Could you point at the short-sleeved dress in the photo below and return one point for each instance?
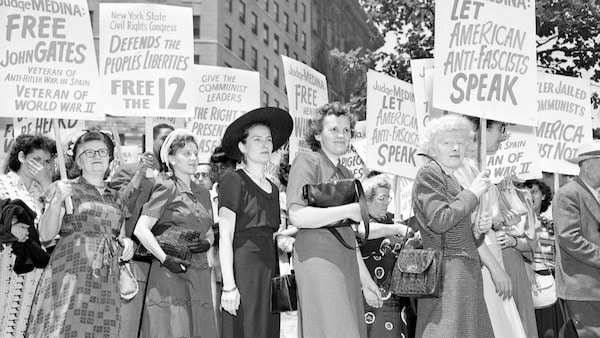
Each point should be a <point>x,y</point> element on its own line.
<point>78,294</point>
<point>331,301</point>
<point>17,290</point>
<point>254,255</point>
<point>393,318</point>
<point>443,208</point>
<point>179,304</point>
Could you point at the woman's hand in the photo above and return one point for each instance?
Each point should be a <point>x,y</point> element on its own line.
<point>64,189</point>
<point>372,294</point>
<point>285,243</point>
<point>19,230</point>
<point>39,173</point>
<point>175,265</point>
<point>506,241</point>
<point>484,224</point>
<point>230,300</point>
<point>200,246</point>
<point>503,283</point>
<point>481,183</point>
<point>128,246</point>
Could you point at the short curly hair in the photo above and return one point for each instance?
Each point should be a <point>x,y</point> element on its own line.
<point>373,182</point>
<point>178,143</point>
<point>27,144</point>
<point>544,189</point>
<point>446,123</point>
<point>315,125</point>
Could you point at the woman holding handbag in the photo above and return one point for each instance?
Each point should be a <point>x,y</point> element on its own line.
<point>443,213</point>
<point>179,297</point>
<point>327,272</point>
<point>249,222</point>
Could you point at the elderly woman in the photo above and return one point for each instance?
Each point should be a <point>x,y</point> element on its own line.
<point>249,222</point>
<point>78,294</point>
<point>327,272</point>
<point>443,213</point>
<point>380,256</point>
<point>31,166</point>
<point>178,299</point>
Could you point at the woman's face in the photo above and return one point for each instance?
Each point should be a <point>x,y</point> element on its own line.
<point>258,146</point>
<point>379,205</point>
<point>450,149</point>
<point>496,134</point>
<point>92,157</point>
<point>336,134</point>
<point>185,160</point>
<point>218,170</point>
<point>538,197</point>
<point>41,157</point>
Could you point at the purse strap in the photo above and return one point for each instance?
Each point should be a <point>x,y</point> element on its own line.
<point>364,212</point>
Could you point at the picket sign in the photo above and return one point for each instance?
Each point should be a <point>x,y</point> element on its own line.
<point>61,163</point>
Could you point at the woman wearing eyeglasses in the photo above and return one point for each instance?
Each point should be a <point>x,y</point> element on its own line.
<point>78,294</point>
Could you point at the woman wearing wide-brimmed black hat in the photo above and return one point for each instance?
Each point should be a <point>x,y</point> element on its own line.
<point>248,220</point>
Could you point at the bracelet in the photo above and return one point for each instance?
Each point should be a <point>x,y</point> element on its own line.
<point>516,242</point>
<point>230,290</point>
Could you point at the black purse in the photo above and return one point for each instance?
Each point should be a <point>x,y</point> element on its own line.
<point>284,293</point>
<point>173,239</point>
<point>336,193</point>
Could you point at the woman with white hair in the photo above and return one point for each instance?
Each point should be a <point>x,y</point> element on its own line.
<point>443,213</point>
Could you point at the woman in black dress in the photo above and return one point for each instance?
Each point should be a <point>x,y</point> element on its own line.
<point>248,224</point>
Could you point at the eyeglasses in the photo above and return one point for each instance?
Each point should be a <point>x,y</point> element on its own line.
<point>203,175</point>
<point>89,153</point>
<point>217,167</point>
<point>384,199</point>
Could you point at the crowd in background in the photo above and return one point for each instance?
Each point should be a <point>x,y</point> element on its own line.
<point>65,241</point>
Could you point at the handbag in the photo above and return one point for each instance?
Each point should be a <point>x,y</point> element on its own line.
<point>173,239</point>
<point>128,285</point>
<point>418,273</point>
<point>336,193</point>
<point>284,294</point>
<point>543,291</point>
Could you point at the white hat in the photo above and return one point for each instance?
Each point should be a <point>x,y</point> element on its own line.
<point>586,151</point>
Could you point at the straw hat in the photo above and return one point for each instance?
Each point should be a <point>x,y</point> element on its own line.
<point>586,151</point>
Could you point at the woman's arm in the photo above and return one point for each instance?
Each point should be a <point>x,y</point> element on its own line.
<point>210,236</point>
<point>499,276</point>
<point>312,217</point>
<point>378,230</point>
<point>370,289</point>
<point>230,298</point>
<point>143,232</point>
<point>51,219</point>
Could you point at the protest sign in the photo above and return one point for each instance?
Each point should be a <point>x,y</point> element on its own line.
<point>564,120</point>
<point>8,136</point>
<point>146,52</point>
<point>46,127</point>
<point>518,155</point>
<point>351,158</point>
<point>422,79</point>
<point>485,61</point>
<point>48,61</point>
<point>307,91</point>
<point>392,138</point>
<point>222,95</point>
<point>595,87</point>
<point>131,154</point>
<point>403,198</point>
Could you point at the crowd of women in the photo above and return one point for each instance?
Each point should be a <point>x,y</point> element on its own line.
<point>98,220</point>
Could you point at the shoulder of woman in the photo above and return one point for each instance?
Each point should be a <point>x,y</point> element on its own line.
<point>165,185</point>
<point>307,158</point>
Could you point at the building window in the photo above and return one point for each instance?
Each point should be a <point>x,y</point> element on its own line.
<point>276,43</point>
<point>295,32</point>
<point>242,12</point>
<point>254,24</point>
<point>276,76</point>
<point>304,12</point>
<point>196,25</point>
<point>242,48</point>
<point>229,5</point>
<point>286,49</point>
<point>254,59</point>
<point>296,5</point>
<point>227,65</point>
<point>303,40</point>
<point>266,67</point>
<point>276,5</point>
<point>227,37</point>
<point>296,56</point>
<point>266,6</point>
<point>265,99</point>
<point>286,22</point>
<point>196,59</point>
<point>266,34</point>
<point>276,103</point>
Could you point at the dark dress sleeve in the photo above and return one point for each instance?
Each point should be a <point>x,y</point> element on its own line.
<point>162,195</point>
<point>230,192</point>
<point>441,210</point>
<point>304,171</point>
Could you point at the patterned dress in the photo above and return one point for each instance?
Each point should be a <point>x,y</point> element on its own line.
<point>17,291</point>
<point>380,255</point>
<point>179,304</point>
<point>78,294</point>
